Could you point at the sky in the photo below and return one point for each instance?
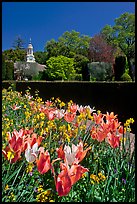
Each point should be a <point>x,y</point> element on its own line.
<point>43,21</point>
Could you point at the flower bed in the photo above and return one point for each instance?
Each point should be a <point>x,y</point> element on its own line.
<point>64,152</point>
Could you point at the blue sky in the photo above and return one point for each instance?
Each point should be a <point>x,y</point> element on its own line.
<point>43,21</point>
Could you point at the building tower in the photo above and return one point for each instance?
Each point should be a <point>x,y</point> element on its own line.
<point>30,55</point>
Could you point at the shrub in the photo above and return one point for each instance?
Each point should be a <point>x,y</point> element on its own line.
<point>100,71</point>
<point>78,77</point>
<point>60,68</point>
<point>126,77</point>
<point>119,67</point>
<point>9,70</point>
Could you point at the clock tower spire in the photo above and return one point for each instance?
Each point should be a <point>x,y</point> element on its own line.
<point>30,55</point>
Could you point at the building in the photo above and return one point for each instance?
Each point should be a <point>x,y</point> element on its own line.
<point>30,55</point>
<point>30,68</point>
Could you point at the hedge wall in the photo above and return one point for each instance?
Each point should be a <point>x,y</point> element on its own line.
<point>118,97</point>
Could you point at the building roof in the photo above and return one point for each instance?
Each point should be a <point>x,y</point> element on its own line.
<point>30,45</point>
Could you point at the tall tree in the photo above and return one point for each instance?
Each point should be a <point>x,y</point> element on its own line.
<point>100,50</point>
<point>72,45</point>
<point>75,42</point>
<point>3,68</point>
<point>18,43</point>
<point>122,34</point>
<point>15,55</point>
<point>40,57</point>
<point>9,70</point>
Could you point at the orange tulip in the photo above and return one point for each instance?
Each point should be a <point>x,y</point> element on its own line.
<point>69,117</point>
<point>68,177</point>
<point>75,172</point>
<point>72,155</point>
<point>113,140</point>
<point>43,162</point>
<point>80,152</point>
<point>71,171</point>
<point>110,116</point>
<point>98,118</point>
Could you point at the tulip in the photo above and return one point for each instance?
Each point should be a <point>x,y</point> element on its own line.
<point>113,140</point>
<point>69,117</point>
<point>43,162</point>
<point>75,172</point>
<point>63,182</point>
<point>31,153</point>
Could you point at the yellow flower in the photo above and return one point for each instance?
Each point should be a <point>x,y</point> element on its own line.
<point>6,187</point>
<point>84,175</point>
<point>62,104</point>
<point>82,127</point>
<point>67,137</point>
<point>29,167</point>
<point>12,196</point>
<point>92,182</point>
<point>98,112</point>
<point>10,155</point>
<point>101,176</point>
<point>44,196</point>
<point>132,120</point>
<point>69,128</point>
<point>121,139</point>
<point>47,192</point>
<point>42,116</point>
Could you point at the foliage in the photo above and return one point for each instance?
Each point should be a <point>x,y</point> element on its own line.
<point>100,71</point>
<point>15,55</point>
<point>119,67</point>
<point>18,43</point>
<point>3,68</point>
<point>40,57</point>
<point>9,70</point>
<point>78,77</point>
<point>101,149</point>
<point>60,68</point>
<point>85,72</point>
<point>68,44</point>
<point>71,45</point>
<point>100,50</point>
<point>122,34</point>
<point>126,77</point>
<point>39,76</point>
<point>80,62</point>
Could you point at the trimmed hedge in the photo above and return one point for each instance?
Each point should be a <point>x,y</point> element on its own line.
<point>118,97</point>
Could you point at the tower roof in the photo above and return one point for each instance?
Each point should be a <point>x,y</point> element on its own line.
<point>30,45</point>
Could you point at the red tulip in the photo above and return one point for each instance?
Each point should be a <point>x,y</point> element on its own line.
<point>73,108</point>
<point>43,162</point>
<point>63,181</point>
<point>60,152</point>
<point>16,155</point>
